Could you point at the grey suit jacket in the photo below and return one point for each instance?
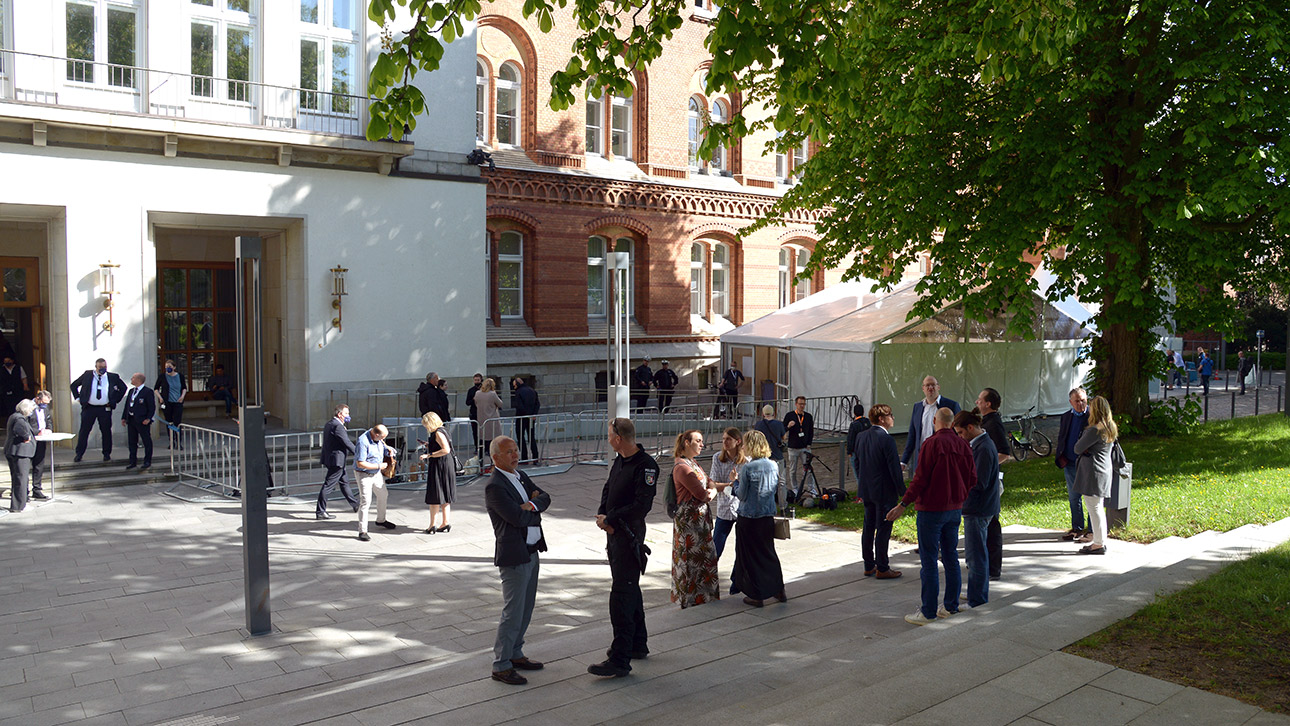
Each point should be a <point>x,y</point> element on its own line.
<point>1093,468</point>
<point>21,441</point>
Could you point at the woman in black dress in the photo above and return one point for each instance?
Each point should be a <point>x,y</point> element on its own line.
<point>441,472</point>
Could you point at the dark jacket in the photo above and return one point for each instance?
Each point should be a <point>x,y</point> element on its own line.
<point>730,381</point>
<point>858,426</point>
<point>642,377</point>
<point>511,521</point>
<point>629,492</point>
<point>914,439</point>
<point>21,440</point>
<point>142,408</point>
<point>983,498</point>
<point>336,444</point>
<point>992,424</point>
<point>163,387</point>
<point>1063,430</point>
<point>947,472</point>
<point>470,402</point>
<point>665,379</point>
<point>880,477</point>
<point>525,401</point>
<point>802,432</point>
<point>773,430</point>
<point>1247,364</point>
<point>431,398</point>
<point>83,388</point>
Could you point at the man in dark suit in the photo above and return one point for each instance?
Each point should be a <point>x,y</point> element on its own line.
<point>40,424</point>
<point>920,421</point>
<point>336,446</point>
<point>432,398</point>
<point>526,404</point>
<point>1072,426</point>
<point>515,505</point>
<point>881,486</point>
<point>19,447</point>
<point>98,392</point>
<point>136,416</point>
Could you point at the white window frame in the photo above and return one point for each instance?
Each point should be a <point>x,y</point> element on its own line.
<point>721,294</point>
<point>698,286</point>
<point>792,260</point>
<point>595,132</point>
<point>221,18</point>
<point>719,114</point>
<point>694,131</point>
<point>504,86</point>
<point>326,35</point>
<point>803,288</point>
<point>327,16</point>
<point>481,101</point>
<point>110,77</point>
<point>517,259</point>
<point>6,25</point>
<point>625,103</point>
<point>785,275</point>
<point>593,261</point>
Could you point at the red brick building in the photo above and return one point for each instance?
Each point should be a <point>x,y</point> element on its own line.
<point>619,173</point>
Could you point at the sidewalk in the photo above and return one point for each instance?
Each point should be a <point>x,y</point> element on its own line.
<point>121,606</point>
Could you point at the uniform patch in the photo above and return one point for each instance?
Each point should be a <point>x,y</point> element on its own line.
<point>650,476</point>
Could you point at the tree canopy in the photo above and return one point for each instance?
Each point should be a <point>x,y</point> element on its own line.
<point>1138,149</point>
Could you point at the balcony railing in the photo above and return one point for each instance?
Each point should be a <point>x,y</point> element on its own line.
<point>75,83</point>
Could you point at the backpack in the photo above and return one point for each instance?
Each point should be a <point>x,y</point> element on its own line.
<point>669,497</point>
<point>831,498</point>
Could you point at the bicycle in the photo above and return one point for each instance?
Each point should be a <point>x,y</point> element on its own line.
<point>1026,439</point>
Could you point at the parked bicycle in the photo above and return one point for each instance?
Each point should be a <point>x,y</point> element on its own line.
<point>1026,439</point>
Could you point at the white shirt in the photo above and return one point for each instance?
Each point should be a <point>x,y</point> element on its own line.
<point>535,533</point>
<point>99,392</point>
<point>1178,359</point>
<point>929,416</point>
<point>129,399</point>
<point>42,423</point>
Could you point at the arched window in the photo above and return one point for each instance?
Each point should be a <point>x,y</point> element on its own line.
<point>720,114</point>
<point>696,130</point>
<point>792,261</point>
<point>785,275</point>
<point>510,274</point>
<point>721,270</point>
<point>595,125</point>
<point>803,285</point>
<point>598,278</point>
<point>620,127</point>
<point>698,270</point>
<point>788,167</point>
<point>508,105</point>
<point>481,102</point>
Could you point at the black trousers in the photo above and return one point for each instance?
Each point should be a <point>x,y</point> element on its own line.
<point>136,432</point>
<point>640,400</point>
<point>335,477</point>
<point>38,468</point>
<point>527,441</point>
<point>90,415</point>
<point>174,413</point>
<point>19,474</point>
<point>876,535</point>
<point>626,605</point>
<point>664,399</point>
<point>994,546</point>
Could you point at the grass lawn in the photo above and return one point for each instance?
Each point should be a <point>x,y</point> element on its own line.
<point>1226,634</point>
<point>1228,474</point>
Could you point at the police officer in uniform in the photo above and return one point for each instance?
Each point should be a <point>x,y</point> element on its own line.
<point>665,381</point>
<point>626,499</point>
<point>642,379</point>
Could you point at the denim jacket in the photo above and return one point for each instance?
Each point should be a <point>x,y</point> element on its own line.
<point>758,482</point>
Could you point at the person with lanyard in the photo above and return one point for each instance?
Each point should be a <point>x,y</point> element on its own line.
<point>368,459</point>
<point>729,389</point>
<point>41,424</point>
<point>98,392</point>
<point>173,388</point>
<point>1072,425</point>
<point>626,499</point>
<point>136,416</point>
<point>801,432</point>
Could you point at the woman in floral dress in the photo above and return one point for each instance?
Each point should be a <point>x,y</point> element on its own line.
<point>694,559</point>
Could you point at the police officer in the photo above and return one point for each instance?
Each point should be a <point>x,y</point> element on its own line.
<point>626,499</point>
<point>665,381</point>
<point>642,379</point>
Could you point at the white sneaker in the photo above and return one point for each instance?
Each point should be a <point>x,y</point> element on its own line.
<point>917,618</point>
<point>942,613</point>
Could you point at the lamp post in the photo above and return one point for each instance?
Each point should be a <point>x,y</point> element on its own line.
<point>1258,358</point>
<point>617,335</point>
<point>253,469</point>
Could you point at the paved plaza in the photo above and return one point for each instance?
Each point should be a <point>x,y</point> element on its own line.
<point>123,606</point>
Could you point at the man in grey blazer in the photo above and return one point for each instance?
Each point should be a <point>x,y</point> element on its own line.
<point>19,448</point>
<point>515,505</point>
<point>920,422</point>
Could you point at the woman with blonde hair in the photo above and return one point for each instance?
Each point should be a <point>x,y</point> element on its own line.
<point>694,561</point>
<point>441,472</point>
<point>757,571</point>
<point>1093,469</point>
<point>489,405</point>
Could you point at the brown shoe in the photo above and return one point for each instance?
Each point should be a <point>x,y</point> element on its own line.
<point>510,676</point>
<point>871,572</point>
<point>526,664</point>
<point>754,603</point>
<point>888,575</point>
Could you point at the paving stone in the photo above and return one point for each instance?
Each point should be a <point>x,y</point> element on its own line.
<point>1192,706</point>
<point>1091,705</point>
<point>1136,685</point>
<point>1052,676</point>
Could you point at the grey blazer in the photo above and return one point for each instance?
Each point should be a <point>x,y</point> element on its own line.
<point>20,442</point>
<point>1093,467</point>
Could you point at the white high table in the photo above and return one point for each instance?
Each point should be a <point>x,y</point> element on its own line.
<point>51,438</point>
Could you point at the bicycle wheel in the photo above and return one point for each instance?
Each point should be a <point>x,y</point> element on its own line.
<point>1018,448</point>
<point>1040,443</point>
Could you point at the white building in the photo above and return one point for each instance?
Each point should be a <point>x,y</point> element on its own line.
<point>150,133</point>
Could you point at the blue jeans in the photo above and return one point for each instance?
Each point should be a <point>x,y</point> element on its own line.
<point>977,556</point>
<point>938,539</point>
<point>1078,521</point>
<point>227,397</point>
<point>721,529</point>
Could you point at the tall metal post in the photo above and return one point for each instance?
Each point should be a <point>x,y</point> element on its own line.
<point>253,469</point>
<point>617,265</point>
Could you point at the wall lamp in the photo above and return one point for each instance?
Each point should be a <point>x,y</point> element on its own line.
<point>107,288</point>
<point>338,292</point>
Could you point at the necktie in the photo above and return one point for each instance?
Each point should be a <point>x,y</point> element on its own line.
<point>98,387</point>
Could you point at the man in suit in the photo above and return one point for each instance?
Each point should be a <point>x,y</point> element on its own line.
<point>98,392</point>
<point>515,505</point>
<point>136,416</point>
<point>920,422</point>
<point>336,446</point>
<point>880,486</point>
<point>40,424</point>
<point>980,508</point>
<point>432,398</point>
<point>642,379</point>
<point>19,447</point>
<point>987,407</point>
<point>1072,425</point>
<point>526,404</point>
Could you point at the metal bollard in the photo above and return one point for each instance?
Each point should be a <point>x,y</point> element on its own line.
<point>1256,401</point>
<point>1233,416</point>
<point>1206,409</point>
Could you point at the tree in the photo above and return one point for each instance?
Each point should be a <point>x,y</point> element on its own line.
<point>1136,148</point>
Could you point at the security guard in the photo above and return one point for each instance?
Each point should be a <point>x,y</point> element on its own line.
<point>665,381</point>
<point>642,379</point>
<point>626,499</point>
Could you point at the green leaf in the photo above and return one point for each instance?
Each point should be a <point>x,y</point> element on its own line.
<point>377,128</point>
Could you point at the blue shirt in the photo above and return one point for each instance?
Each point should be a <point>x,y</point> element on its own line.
<point>758,482</point>
<point>372,452</point>
<point>773,429</point>
<point>1206,366</point>
<point>175,390</point>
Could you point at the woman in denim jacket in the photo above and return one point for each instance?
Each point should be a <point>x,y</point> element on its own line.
<point>757,572</point>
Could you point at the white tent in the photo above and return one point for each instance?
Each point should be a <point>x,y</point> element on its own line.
<point>852,341</point>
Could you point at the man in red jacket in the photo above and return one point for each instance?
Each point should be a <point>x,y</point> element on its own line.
<point>945,472</point>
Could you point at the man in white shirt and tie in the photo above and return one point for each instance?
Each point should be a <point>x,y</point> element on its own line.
<point>136,416</point>
<point>41,425</point>
<point>98,392</point>
<point>515,505</point>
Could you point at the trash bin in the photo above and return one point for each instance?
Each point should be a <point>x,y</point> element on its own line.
<point>1117,505</point>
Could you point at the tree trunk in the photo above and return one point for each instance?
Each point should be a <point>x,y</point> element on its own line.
<point>1285,384</point>
<point>1121,374</point>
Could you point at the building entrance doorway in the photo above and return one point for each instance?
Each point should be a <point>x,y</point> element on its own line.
<point>22,322</point>
<point>197,319</point>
